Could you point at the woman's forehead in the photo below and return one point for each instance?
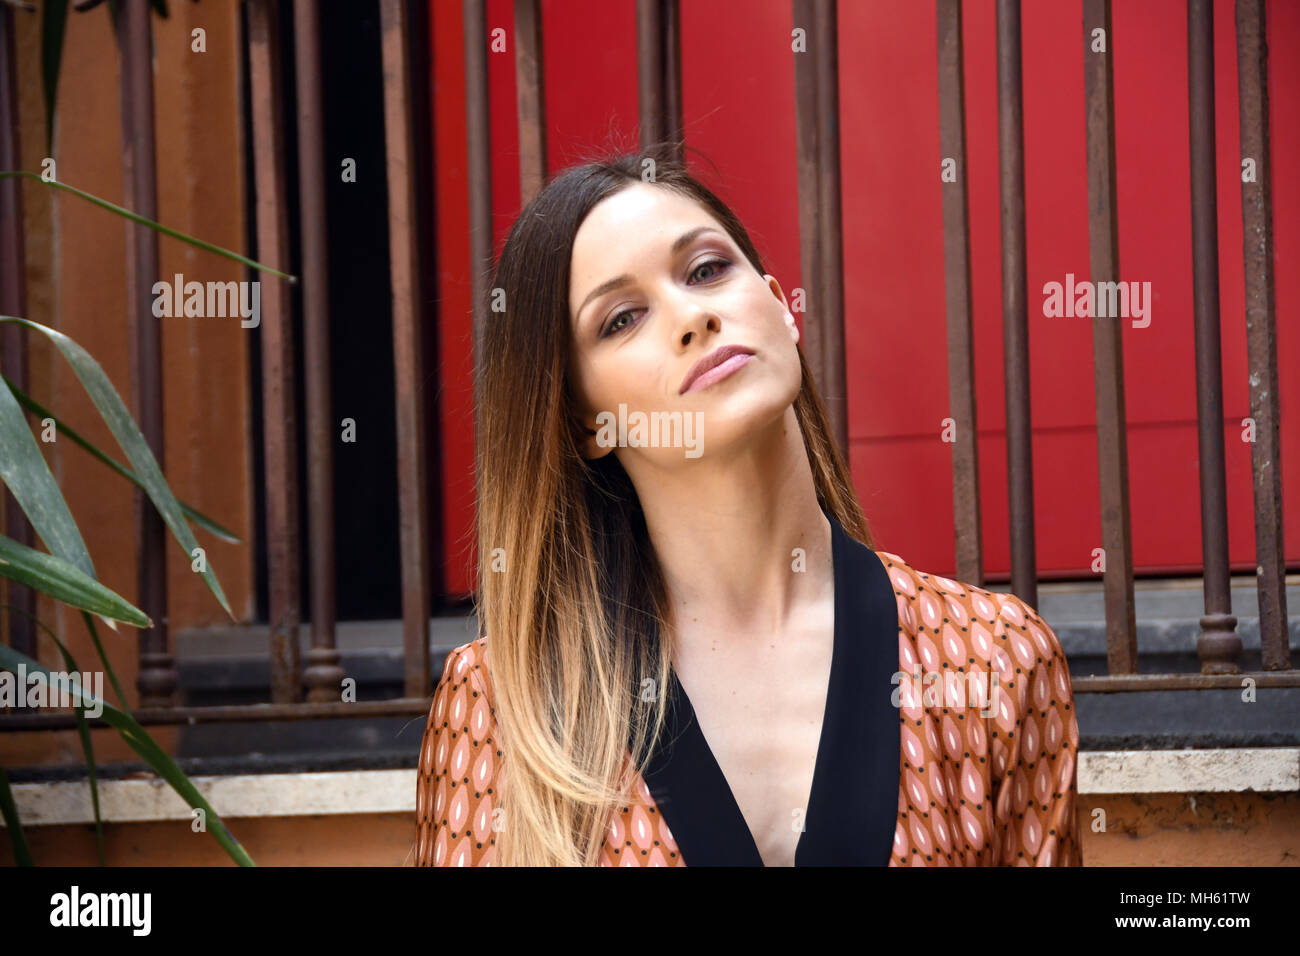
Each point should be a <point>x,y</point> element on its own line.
<point>637,213</point>
<point>634,220</point>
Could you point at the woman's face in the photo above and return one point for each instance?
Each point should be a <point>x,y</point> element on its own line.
<point>686,290</point>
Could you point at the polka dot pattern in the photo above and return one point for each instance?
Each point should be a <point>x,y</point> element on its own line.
<point>996,790</point>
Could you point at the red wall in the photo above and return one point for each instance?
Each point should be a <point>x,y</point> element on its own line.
<point>739,110</point>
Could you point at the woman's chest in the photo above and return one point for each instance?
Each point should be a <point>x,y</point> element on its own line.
<point>761,710</point>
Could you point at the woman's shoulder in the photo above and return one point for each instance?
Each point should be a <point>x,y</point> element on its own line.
<point>469,654</point>
<point>458,765</point>
<point>468,665</point>
<point>949,626</point>
<point>968,614</point>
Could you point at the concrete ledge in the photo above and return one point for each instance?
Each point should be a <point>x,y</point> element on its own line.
<point>245,795</point>
<point>1189,771</point>
<point>393,791</point>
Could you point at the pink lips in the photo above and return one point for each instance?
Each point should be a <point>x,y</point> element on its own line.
<point>716,366</point>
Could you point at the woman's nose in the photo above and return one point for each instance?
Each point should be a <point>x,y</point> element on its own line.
<point>694,319</point>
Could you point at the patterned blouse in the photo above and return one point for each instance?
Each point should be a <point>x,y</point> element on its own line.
<point>980,770</point>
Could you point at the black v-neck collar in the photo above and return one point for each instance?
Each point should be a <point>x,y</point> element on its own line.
<point>853,804</point>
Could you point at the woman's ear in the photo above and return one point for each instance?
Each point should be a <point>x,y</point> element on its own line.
<point>588,438</point>
<point>775,286</point>
<point>591,446</point>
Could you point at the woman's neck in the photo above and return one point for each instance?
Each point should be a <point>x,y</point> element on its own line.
<point>741,539</point>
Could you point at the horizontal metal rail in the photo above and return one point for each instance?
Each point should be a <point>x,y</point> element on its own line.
<point>419,706</point>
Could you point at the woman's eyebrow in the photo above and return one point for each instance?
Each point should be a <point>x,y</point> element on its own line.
<point>610,285</point>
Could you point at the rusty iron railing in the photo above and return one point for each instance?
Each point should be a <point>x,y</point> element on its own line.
<point>278,387</point>
<point>957,297</point>
<point>324,671</point>
<point>817,109</point>
<point>13,301</point>
<point>157,679</point>
<point>1218,646</point>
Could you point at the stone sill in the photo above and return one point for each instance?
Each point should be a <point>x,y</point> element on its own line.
<point>56,803</point>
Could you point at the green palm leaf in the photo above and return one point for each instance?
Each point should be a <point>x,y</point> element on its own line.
<point>66,431</point>
<point>22,853</point>
<point>114,412</point>
<point>155,226</point>
<point>140,741</point>
<point>24,470</point>
<point>53,576</point>
<point>54,21</point>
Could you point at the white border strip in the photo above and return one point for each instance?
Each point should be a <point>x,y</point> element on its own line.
<point>393,791</point>
<point>244,795</point>
<point>1225,770</point>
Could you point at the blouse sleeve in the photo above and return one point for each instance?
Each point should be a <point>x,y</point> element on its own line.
<point>456,785</point>
<point>1037,795</point>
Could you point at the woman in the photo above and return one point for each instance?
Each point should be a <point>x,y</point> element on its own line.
<point>689,652</point>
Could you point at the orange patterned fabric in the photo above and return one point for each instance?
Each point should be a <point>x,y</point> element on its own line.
<point>996,790</point>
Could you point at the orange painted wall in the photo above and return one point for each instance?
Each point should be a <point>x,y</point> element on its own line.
<point>76,282</point>
<point>1177,830</point>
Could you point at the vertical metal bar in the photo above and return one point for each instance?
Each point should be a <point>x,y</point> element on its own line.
<point>13,301</point>
<point>278,393</point>
<point>650,68</point>
<point>408,347</point>
<point>1015,319</point>
<point>1218,644</point>
<point>157,679</point>
<point>956,270</point>
<point>659,76</point>
<point>806,149</point>
<point>671,40</point>
<point>831,331</point>
<point>821,249</point>
<point>324,673</point>
<point>479,149</point>
<point>1108,355</point>
<point>1261,332</point>
<point>530,88</point>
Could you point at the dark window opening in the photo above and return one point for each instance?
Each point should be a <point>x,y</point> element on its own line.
<point>367,559</point>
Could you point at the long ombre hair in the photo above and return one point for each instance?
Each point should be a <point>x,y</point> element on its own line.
<point>570,592</point>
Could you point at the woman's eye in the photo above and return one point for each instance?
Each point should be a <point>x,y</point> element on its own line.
<point>720,264</point>
<point>613,324</point>
<point>614,327</point>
